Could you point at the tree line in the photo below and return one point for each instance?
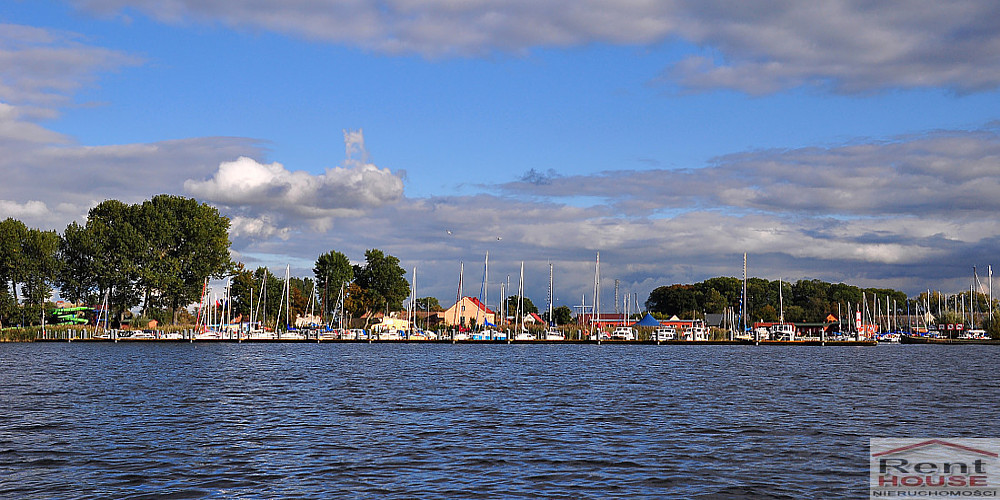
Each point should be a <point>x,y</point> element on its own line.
<point>803,301</point>
<point>156,256</point>
<point>810,301</point>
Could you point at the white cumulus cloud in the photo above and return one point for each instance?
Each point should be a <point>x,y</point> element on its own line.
<point>284,198</point>
<point>30,209</point>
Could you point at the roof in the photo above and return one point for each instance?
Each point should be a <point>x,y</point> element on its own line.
<point>714,319</point>
<point>480,305</point>
<point>647,320</point>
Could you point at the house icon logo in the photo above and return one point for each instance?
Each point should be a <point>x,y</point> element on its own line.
<point>934,467</point>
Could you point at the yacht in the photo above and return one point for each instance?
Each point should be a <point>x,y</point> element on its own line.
<point>525,335</point>
<point>664,333</point>
<point>553,334</point>
<point>783,331</point>
<point>698,332</point>
<point>623,333</point>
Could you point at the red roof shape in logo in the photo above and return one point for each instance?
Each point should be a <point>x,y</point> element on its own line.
<point>937,442</point>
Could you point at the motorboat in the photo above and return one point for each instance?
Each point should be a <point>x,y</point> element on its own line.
<point>623,333</point>
<point>664,333</point>
<point>783,331</point>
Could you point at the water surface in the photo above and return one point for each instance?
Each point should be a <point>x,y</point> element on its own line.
<point>132,420</point>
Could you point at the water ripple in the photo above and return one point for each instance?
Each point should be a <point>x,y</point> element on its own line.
<point>470,421</point>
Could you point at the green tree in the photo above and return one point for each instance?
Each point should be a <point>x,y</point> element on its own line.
<point>120,246</point>
<point>12,261</point>
<point>385,281</point>
<point>79,253</point>
<point>269,304</point>
<point>713,301</point>
<point>428,304</point>
<point>839,293</point>
<point>332,271</point>
<point>526,303</point>
<point>8,308</point>
<point>40,249</point>
<point>768,314</point>
<point>795,313</point>
<point>678,299</point>
<point>358,301</point>
<point>257,294</point>
<point>241,290</point>
<point>993,327</point>
<point>186,242</point>
<point>759,294</point>
<point>563,315</point>
<point>299,292</point>
<point>731,289</point>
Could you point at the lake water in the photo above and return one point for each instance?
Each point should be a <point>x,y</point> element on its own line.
<point>135,420</point>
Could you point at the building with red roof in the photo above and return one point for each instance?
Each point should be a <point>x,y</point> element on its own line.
<point>469,311</point>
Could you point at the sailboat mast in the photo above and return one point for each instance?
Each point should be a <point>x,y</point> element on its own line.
<point>990,278</point>
<point>864,315</point>
<point>486,285</point>
<point>502,307</point>
<point>551,320</point>
<point>458,298</point>
<point>506,304</point>
<point>520,298</point>
<point>626,308</point>
<point>890,315</point>
<point>597,293</point>
<point>413,303</point>
<point>288,297</point>
<point>743,299</point>
<point>895,317</point>
<point>342,297</point>
<point>482,288</point>
<point>229,300</point>
<point>781,303</point>
<point>263,299</point>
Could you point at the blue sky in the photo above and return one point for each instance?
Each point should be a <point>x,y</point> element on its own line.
<point>830,140</point>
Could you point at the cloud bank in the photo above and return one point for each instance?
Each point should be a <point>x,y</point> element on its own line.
<point>755,47</point>
<point>945,173</point>
<point>44,67</point>
<point>908,212</point>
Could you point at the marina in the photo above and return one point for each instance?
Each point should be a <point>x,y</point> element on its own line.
<point>487,250</point>
<point>532,341</point>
